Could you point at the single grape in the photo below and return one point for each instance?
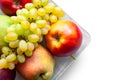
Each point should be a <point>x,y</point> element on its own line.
<point>53,18</point>
<point>21,18</point>
<point>21,58</point>
<point>38,32</point>
<point>24,12</point>
<point>33,27</point>
<point>39,18</point>
<point>44,31</point>
<point>46,17</point>
<point>25,24</point>
<point>30,46</point>
<point>33,38</point>
<point>37,3</point>
<point>11,57</point>
<point>19,29</point>
<point>28,53</point>
<point>41,23</point>
<point>11,29</point>
<point>58,12</point>
<point>6,50</point>
<point>19,51</point>
<point>29,6</point>
<point>11,65</point>
<point>14,44</point>
<point>41,12</point>
<point>23,45</point>
<point>19,12</point>
<point>32,14</point>
<point>12,36</point>
<point>13,19</point>
<point>49,7</point>
<point>3,63</point>
<point>44,2</point>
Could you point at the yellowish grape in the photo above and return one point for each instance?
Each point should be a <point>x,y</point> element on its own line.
<point>21,58</point>
<point>23,45</point>
<point>33,38</point>
<point>29,6</point>
<point>41,12</point>
<point>11,57</point>
<point>33,27</point>
<point>3,63</point>
<point>11,36</point>
<point>53,18</point>
<point>25,24</point>
<point>41,23</point>
<point>14,44</point>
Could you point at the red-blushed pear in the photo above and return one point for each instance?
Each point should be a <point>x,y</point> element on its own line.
<point>40,66</point>
<point>64,38</point>
<point>10,7</point>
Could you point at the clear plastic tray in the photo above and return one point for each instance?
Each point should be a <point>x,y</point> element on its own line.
<point>63,63</point>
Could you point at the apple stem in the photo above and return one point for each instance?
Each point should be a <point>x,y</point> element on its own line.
<point>73,57</point>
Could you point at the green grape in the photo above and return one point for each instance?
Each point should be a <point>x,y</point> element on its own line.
<point>19,51</point>
<point>37,3</point>
<point>19,12</point>
<point>53,18</point>
<point>21,18</point>
<point>14,44</point>
<point>23,45</point>
<point>26,33</point>
<point>28,53</point>
<point>32,14</point>
<point>41,23</point>
<point>49,7</point>
<point>24,12</point>
<point>44,2</point>
<point>11,57</point>
<point>47,27</point>
<point>11,28</point>
<point>58,12</point>
<point>33,27</point>
<point>46,17</point>
<point>44,31</point>
<point>33,38</point>
<point>38,32</point>
<point>41,12</point>
<point>30,46</point>
<point>19,29</point>
<point>21,58</point>
<point>3,63</point>
<point>11,66</point>
<point>25,24</point>
<point>13,19</point>
<point>12,36</point>
<point>39,18</point>
<point>29,6</point>
<point>6,50</point>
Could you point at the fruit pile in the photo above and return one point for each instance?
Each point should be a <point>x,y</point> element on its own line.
<point>33,35</point>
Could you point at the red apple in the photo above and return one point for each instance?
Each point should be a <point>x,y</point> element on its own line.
<point>64,38</point>
<point>9,7</point>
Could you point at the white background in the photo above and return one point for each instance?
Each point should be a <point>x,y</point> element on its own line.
<point>101,59</point>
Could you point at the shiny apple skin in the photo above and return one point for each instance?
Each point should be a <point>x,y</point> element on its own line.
<point>69,38</point>
<point>9,7</point>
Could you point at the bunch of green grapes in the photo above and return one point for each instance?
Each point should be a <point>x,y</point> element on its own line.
<point>27,30</point>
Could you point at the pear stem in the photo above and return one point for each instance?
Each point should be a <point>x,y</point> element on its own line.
<point>73,57</point>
